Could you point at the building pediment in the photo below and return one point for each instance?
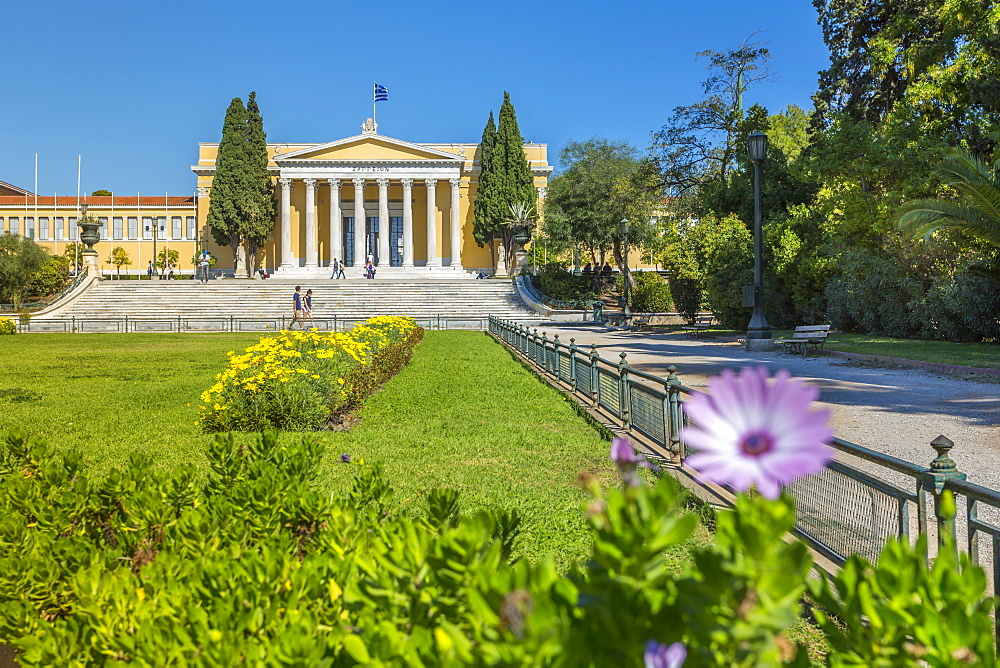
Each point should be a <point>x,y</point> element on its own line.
<point>367,148</point>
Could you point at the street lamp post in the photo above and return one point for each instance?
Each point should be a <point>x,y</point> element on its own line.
<point>154,226</point>
<point>759,331</point>
<point>624,228</point>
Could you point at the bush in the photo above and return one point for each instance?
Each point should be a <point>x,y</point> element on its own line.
<point>258,564</point>
<point>298,381</point>
<point>687,297</point>
<point>959,308</point>
<point>555,282</point>
<point>650,294</point>
<point>49,279</point>
<point>7,326</point>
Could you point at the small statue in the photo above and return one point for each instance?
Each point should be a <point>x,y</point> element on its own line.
<point>241,262</point>
<point>501,260</point>
<point>369,127</point>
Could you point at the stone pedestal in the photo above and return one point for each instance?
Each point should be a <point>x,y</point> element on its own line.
<point>759,345</point>
<point>92,263</point>
<point>521,260</point>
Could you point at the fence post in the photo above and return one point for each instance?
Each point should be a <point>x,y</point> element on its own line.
<point>943,469</point>
<point>624,395</point>
<point>594,377</point>
<point>673,414</point>
<point>545,353</point>
<point>556,362</point>
<point>572,364</point>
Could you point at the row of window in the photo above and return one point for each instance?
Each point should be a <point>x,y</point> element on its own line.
<point>59,232</point>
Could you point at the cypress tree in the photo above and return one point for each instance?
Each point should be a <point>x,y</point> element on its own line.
<point>513,182</point>
<point>261,207</point>
<point>484,226</point>
<point>226,206</point>
<point>516,182</point>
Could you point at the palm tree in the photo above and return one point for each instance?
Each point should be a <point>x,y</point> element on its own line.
<point>976,211</point>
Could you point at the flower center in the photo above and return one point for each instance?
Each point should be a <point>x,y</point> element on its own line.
<point>757,443</point>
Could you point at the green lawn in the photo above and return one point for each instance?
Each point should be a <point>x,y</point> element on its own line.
<point>462,414</point>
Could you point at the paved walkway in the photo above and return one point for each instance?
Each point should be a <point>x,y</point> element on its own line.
<point>894,411</point>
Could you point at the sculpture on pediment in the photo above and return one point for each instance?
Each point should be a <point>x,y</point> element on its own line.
<point>369,127</point>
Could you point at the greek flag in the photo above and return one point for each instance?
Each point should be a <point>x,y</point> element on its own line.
<point>381,93</point>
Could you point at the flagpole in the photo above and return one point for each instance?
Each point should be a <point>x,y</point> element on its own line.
<point>374,104</point>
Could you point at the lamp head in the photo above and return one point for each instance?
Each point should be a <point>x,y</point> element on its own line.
<point>623,226</point>
<point>757,146</point>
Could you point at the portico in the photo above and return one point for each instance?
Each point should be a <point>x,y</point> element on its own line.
<point>407,206</point>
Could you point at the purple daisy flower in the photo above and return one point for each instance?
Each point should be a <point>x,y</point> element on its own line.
<point>628,461</point>
<point>754,433</point>
<point>658,655</point>
<point>345,458</point>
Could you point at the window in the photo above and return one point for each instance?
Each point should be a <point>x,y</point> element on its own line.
<point>29,228</point>
<point>147,227</point>
<point>161,227</point>
<point>14,225</point>
<point>190,227</point>
<point>43,228</point>
<point>117,227</point>
<point>104,227</point>
<point>74,229</point>
<point>175,224</point>
<point>133,227</point>
<point>2,229</point>
<point>60,228</point>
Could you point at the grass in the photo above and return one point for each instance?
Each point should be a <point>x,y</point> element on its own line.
<point>981,355</point>
<point>463,414</point>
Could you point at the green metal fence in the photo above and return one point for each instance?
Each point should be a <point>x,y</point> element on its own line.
<point>855,506</point>
<point>226,323</point>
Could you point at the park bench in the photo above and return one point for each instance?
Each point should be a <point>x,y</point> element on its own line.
<point>805,336</point>
<point>701,324</point>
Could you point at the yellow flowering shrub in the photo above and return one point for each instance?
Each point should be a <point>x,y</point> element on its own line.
<point>297,380</point>
<point>7,326</point>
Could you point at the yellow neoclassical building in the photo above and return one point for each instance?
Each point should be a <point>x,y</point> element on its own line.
<point>409,206</point>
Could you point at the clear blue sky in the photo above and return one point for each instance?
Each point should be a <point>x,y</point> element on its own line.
<point>134,86</point>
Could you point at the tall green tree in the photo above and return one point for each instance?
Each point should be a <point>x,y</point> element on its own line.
<point>699,143</point>
<point>228,205</point>
<point>484,225</point>
<point>258,221</point>
<point>604,182</point>
<point>513,182</point>
<point>20,259</point>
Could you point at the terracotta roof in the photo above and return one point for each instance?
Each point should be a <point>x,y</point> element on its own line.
<point>10,189</point>
<point>149,202</point>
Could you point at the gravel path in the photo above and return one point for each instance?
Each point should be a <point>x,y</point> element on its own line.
<point>893,411</point>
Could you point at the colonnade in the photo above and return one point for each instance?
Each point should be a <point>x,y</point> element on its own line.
<point>288,259</point>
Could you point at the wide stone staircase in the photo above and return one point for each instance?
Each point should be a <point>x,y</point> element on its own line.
<point>258,305</point>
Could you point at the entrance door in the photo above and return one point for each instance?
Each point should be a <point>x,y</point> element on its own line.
<point>371,241</point>
<point>349,241</point>
<point>396,241</point>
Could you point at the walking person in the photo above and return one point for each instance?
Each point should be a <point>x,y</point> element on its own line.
<point>335,268</point>
<point>341,266</point>
<point>307,308</point>
<point>149,270</point>
<point>297,308</point>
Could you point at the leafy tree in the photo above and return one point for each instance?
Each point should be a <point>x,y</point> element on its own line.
<point>513,180</point>
<point>119,258</point>
<point>976,212</point>
<point>258,221</point>
<point>604,182</point>
<point>49,279</point>
<point>102,193</point>
<point>20,259</point>
<point>484,225</point>
<point>699,142</point>
<point>74,251</point>
<point>167,257</point>
<point>227,210</point>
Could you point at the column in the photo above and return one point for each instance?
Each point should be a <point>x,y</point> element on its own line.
<point>312,257</point>
<point>359,222</point>
<point>383,223</point>
<point>407,222</point>
<point>432,260</point>
<point>336,222</point>
<point>456,232</point>
<point>286,223</point>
